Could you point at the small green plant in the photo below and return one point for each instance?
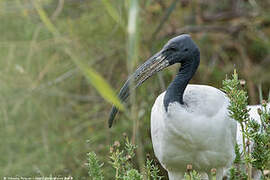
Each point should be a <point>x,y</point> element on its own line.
<point>193,175</point>
<point>235,170</point>
<point>151,170</point>
<point>95,166</point>
<point>238,111</point>
<point>257,156</point>
<point>132,174</point>
<point>121,160</point>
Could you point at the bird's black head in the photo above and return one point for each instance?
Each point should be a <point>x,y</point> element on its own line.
<point>180,49</point>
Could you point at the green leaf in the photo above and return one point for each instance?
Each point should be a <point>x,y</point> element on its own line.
<point>99,83</point>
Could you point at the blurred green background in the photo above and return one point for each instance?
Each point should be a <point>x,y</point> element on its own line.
<point>51,107</point>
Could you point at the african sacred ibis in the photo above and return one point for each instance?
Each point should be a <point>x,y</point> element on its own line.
<point>190,124</point>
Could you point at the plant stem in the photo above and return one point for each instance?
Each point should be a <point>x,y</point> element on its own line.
<point>246,154</point>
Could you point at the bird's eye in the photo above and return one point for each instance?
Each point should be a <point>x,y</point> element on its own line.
<point>172,49</point>
<point>186,49</point>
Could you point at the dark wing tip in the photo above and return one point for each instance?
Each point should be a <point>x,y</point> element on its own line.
<point>112,116</point>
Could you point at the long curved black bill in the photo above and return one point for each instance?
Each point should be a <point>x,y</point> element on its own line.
<point>150,67</point>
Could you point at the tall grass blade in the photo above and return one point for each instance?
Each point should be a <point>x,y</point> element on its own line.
<point>133,56</point>
<point>133,34</point>
<point>99,83</point>
<point>113,12</point>
<point>45,19</point>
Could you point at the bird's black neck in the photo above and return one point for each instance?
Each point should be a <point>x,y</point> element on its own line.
<point>175,91</point>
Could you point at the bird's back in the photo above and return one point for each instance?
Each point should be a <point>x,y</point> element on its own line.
<point>199,132</point>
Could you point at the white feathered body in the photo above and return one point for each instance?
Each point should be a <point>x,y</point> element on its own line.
<point>200,132</point>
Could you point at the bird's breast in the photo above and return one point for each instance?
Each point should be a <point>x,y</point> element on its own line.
<point>192,133</point>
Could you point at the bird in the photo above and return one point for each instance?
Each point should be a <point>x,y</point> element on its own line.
<point>190,124</point>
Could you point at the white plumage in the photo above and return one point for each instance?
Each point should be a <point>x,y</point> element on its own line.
<point>200,132</point>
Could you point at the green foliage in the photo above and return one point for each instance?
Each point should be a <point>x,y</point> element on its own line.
<point>237,159</point>
<point>236,173</point>
<point>133,174</point>
<point>238,99</point>
<point>253,132</point>
<point>260,134</point>
<point>193,175</point>
<point>121,161</point>
<point>152,171</point>
<point>239,112</point>
<point>95,171</point>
